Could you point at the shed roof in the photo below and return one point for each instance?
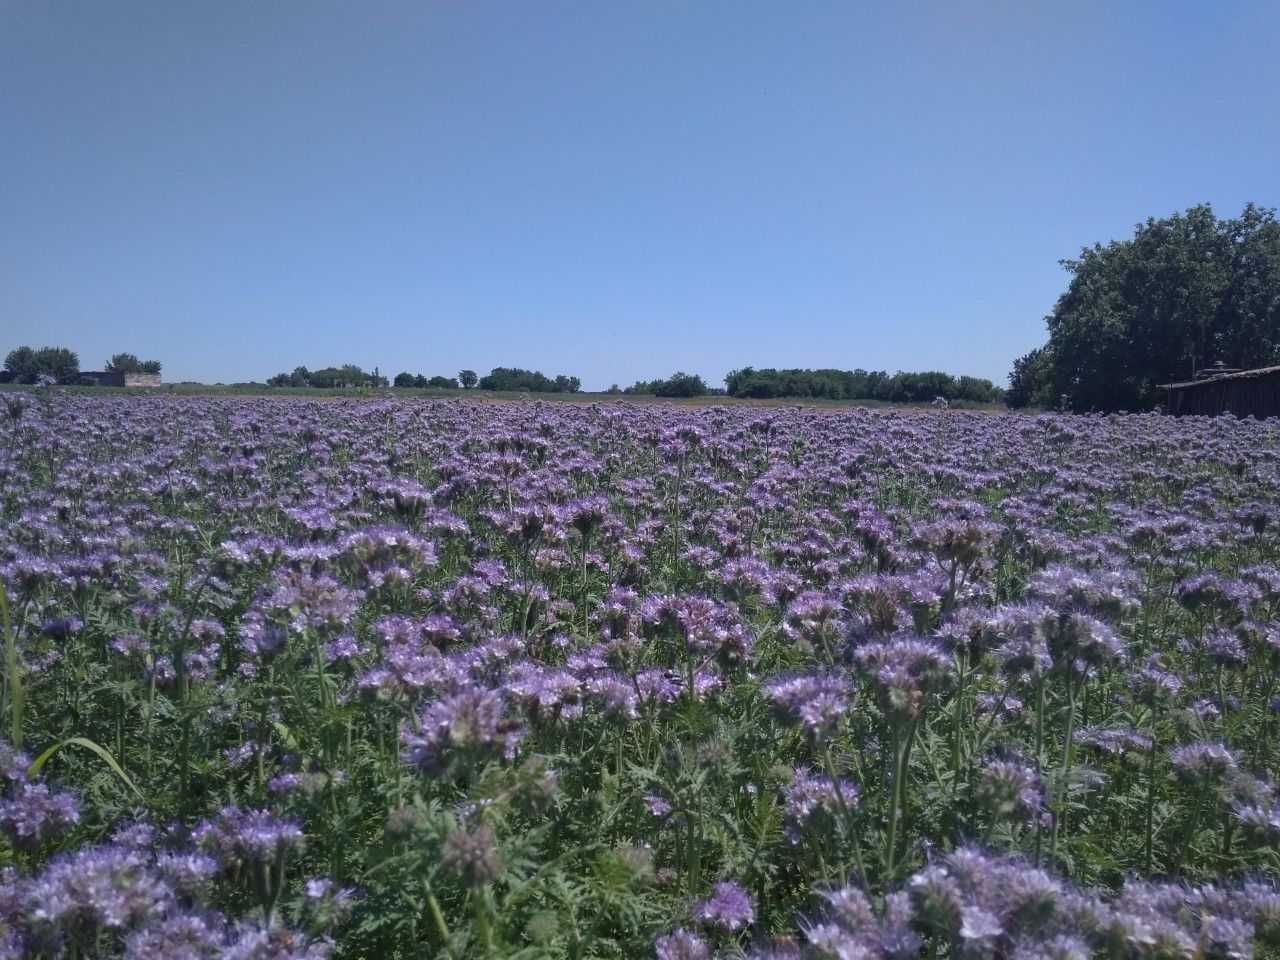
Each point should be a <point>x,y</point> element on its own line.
<point>1239,375</point>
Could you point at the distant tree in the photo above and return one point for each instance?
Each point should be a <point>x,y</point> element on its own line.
<point>901,387</point>
<point>45,365</point>
<point>613,388</point>
<point>468,379</point>
<point>515,378</point>
<point>404,379</point>
<point>302,377</point>
<point>1185,292</point>
<point>21,362</point>
<point>124,363</point>
<point>443,383</point>
<point>1031,381</point>
<point>58,363</point>
<point>129,363</point>
<point>679,384</point>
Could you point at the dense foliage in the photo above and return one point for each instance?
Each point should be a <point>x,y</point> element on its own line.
<point>1188,291</point>
<point>347,375</point>
<point>860,385</point>
<point>377,679</point>
<point>407,379</point>
<point>516,379</point>
<point>679,384</point>
<point>129,363</point>
<point>46,364</point>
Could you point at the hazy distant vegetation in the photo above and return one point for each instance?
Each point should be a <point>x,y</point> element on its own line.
<point>347,375</point>
<point>420,381</point>
<point>860,385</point>
<point>679,384</point>
<point>129,363</point>
<point>515,378</point>
<point>43,364</point>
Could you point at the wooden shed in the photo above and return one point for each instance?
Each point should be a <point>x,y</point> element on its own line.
<point>1245,393</point>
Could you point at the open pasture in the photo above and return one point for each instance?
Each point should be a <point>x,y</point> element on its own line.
<point>370,678</point>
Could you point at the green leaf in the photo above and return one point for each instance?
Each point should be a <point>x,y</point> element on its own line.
<point>103,754</point>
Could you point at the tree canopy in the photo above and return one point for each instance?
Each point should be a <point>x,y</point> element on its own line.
<point>347,375</point>
<point>679,384</point>
<point>29,365</point>
<point>515,378</point>
<point>407,379</point>
<point>129,363</point>
<point>901,387</point>
<point>1187,291</point>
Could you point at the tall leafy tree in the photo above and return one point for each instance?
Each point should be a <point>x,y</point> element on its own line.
<point>56,363</point>
<point>21,362</point>
<point>124,363</point>
<point>129,363</point>
<point>1185,292</point>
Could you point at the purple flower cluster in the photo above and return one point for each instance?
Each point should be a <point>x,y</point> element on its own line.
<point>326,611</point>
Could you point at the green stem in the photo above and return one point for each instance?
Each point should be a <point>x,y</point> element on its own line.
<point>902,752</point>
<point>437,917</point>
<point>15,692</point>
<point>1151,806</point>
<point>1039,759</point>
<point>846,815</point>
<point>1059,813</point>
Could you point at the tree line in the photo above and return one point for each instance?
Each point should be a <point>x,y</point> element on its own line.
<point>347,375</point>
<point>679,384</point>
<point>900,387</point>
<point>61,365</point>
<point>512,379</point>
<point>1184,293</point>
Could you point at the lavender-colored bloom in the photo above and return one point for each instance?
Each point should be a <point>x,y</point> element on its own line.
<point>818,701</point>
<point>183,936</point>
<point>473,856</point>
<point>1008,789</point>
<point>187,872</point>
<point>1114,740</point>
<point>1224,648</point>
<point>238,836</point>
<point>905,670</point>
<point>777,949</point>
<point>1156,684</point>
<point>810,796</point>
<point>13,763</point>
<point>682,945</point>
<point>274,943</point>
<point>34,813</point>
<point>472,720</point>
<point>658,805</point>
<point>729,907</point>
<point>95,888</point>
<point>1202,762</point>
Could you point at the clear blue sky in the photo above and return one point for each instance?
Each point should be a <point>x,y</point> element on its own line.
<point>612,189</point>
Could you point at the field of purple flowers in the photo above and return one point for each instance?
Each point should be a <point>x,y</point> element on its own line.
<point>364,678</point>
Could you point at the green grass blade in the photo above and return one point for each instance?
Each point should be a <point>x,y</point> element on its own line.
<point>103,754</point>
<point>13,673</point>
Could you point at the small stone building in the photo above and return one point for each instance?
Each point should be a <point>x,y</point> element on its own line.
<point>114,378</point>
